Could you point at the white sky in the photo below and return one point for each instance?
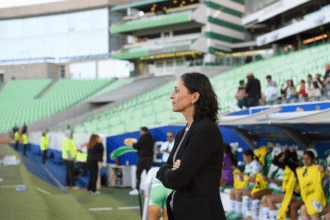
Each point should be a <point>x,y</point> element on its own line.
<point>15,3</point>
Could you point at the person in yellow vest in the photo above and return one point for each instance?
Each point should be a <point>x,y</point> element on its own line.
<point>16,138</point>
<point>69,155</point>
<point>24,141</point>
<point>81,168</point>
<point>44,146</point>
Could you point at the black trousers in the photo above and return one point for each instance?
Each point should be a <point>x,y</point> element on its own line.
<point>93,168</point>
<point>44,156</point>
<point>24,149</point>
<point>16,146</point>
<point>69,172</point>
<point>142,163</point>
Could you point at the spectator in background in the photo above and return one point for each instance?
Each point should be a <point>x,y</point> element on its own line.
<point>294,94</point>
<point>283,96</point>
<point>95,154</point>
<point>309,84</point>
<point>316,91</point>
<point>241,94</point>
<point>289,88</point>
<point>318,80</point>
<point>327,72</point>
<point>145,147</point>
<point>262,100</point>
<point>167,147</point>
<point>272,89</point>
<point>302,90</point>
<point>253,90</point>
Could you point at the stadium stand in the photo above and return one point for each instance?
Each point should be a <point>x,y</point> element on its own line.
<point>117,84</point>
<point>20,106</point>
<point>149,109</point>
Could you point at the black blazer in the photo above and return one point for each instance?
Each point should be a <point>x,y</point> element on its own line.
<point>198,178</point>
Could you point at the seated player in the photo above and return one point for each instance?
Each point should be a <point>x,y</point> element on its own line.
<point>157,197</point>
<point>274,186</point>
<point>227,173</point>
<point>287,158</point>
<point>251,169</point>
<point>326,209</point>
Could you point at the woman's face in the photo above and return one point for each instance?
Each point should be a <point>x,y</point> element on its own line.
<point>247,159</point>
<point>181,98</point>
<point>307,160</point>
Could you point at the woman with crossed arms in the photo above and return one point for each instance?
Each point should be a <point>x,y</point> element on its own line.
<point>194,167</point>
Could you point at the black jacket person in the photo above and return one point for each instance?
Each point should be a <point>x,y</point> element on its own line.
<point>145,146</point>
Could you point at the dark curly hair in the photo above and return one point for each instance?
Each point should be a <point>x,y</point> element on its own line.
<point>207,104</point>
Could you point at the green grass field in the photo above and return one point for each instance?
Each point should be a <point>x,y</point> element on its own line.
<point>44,201</point>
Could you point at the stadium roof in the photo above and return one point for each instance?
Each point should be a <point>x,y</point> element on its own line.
<point>137,4</point>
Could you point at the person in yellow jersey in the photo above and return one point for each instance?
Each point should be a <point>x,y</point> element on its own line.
<point>237,197</point>
<point>69,155</point>
<point>288,158</point>
<point>24,140</point>
<point>81,168</point>
<point>44,146</point>
<point>308,160</point>
<point>326,209</point>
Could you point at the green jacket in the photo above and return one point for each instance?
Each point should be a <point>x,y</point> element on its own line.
<point>68,147</point>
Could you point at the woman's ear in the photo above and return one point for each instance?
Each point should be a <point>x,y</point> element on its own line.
<point>196,96</point>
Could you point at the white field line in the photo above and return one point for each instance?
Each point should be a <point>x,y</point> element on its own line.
<point>10,186</point>
<point>41,190</point>
<point>100,209</point>
<point>110,208</point>
<point>129,207</point>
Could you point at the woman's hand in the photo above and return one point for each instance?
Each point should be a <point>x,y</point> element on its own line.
<point>265,178</point>
<point>321,169</point>
<point>176,165</point>
<point>233,167</point>
<point>241,175</point>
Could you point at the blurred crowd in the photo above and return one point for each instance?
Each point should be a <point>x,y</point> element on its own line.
<point>249,94</point>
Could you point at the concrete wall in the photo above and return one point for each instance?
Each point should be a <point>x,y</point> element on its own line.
<point>30,71</point>
<point>53,71</point>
